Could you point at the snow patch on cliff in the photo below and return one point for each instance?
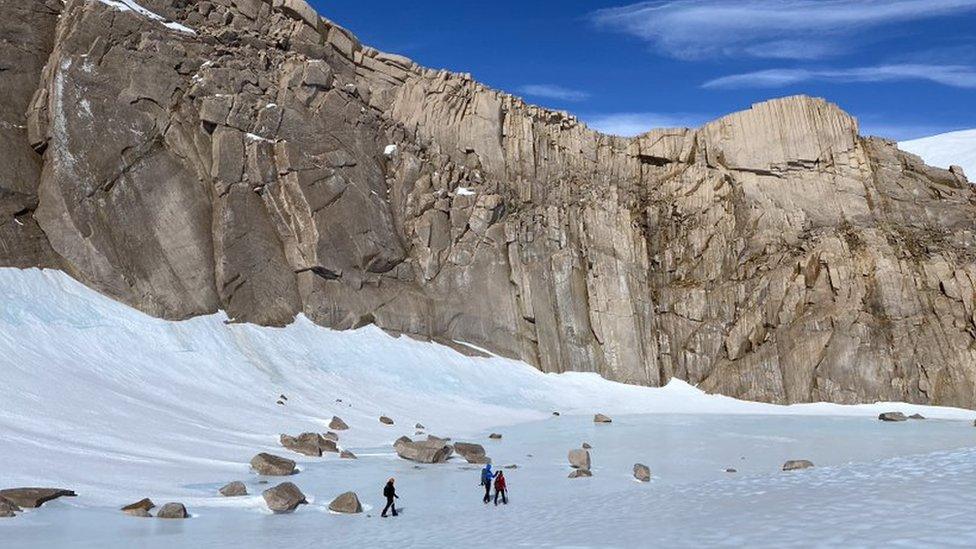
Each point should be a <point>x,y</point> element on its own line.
<point>946,149</point>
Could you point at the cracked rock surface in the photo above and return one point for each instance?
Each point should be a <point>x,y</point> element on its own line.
<point>250,156</point>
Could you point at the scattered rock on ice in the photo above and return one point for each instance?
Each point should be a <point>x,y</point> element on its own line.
<point>555,413</point>
<point>797,464</point>
<point>916,416</point>
<point>600,418</point>
<point>284,498</point>
<point>172,511</point>
<point>346,454</point>
<point>34,497</point>
<point>338,424</point>
<point>512,466</point>
<point>580,473</point>
<point>472,453</point>
<point>140,508</point>
<point>272,465</point>
<point>309,444</point>
<point>419,426</point>
<point>433,450</point>
<point>346,503</point>
<point>234,489</point>
<point>892,416</point>
<point>385,420</point>
<point>586,446</point>
<point>495,436</point>
<point>579,458</point>
<point>642,472</point>
<point>731,470</point>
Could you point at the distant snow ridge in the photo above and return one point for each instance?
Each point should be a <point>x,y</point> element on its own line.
<point>947,149</point>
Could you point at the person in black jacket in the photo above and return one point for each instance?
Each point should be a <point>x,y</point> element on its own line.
<point>389,492</point>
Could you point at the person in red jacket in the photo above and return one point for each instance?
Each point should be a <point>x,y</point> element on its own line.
<point>500,488</point>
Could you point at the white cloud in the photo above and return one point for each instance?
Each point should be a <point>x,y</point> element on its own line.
<point>794,29</point>
<point>552,91</point>
<point>959,76</point>
<point>629,124</point>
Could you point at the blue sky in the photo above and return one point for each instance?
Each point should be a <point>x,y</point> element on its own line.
<point>905,68</point>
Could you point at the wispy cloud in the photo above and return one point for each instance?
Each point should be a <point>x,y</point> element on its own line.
<point>959,76</point>
<point>629,124</point>
<point>785,29</point>
<point>552,91</point>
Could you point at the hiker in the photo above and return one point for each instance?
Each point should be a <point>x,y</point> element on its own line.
<point>500,488</point>
<point>486,478</point>
<point>389,492</point>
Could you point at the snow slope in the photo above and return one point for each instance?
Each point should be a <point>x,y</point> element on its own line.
<point>114,404</point>
<point>947,149</point>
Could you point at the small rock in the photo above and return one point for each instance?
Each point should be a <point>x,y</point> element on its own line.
<point>282,397</point>
<point>642,472</point>
<point>346,503</point>
<point>346,454</point>
<point>472,453</point>
<point>495,436</point>
<point>34,497</point>
<point>555,413</point>
<point>600,418</point>
<point>284,498</point>
<point>331,436</point>
<point>916,416</point>
<point>974,423</point>
<point>731,470</point>
<point>140,508</point>
<point>172,511</point>
<point>586,446</point>
<point>419,426</point>
<point>234,489</point>
<point>580,473</point>
<point>272,465</point>
<point>797,464</point>
<point>280,403</point>
<point>512,466</point>
<point>338,424</point>
<point>418,432</point>
<point>385,420</point>
<point>892,416</point>
<point>579,458</point>
<point>8,508</point>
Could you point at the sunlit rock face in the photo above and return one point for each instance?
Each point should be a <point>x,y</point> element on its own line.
<point>250,156</point>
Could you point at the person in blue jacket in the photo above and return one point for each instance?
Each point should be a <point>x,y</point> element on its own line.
<point>486,477</point>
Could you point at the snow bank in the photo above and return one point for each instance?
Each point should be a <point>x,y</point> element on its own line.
<point>131,5</point>
<point>946,149</point>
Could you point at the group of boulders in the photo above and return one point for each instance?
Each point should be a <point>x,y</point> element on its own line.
<point>141,508</point>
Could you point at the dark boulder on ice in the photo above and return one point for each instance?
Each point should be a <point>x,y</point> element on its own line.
<point>433,450</point>
<point>234,489</point>
<point>385,420</point>
<point>346,454</point>
<point>586,446</point>
<point>284,498</point>
<point>172,511</point>
<point>892,416</point>
<point>34,497</point>
<point>495,436</point>
<point>8,508</point>
<point>797,464</point>
<point>916,416</point>
<point>600,418</point>
<point>472,453</point>
<point>579,458</point>
<point>140,508</point>
<point>338,424</point>
<point>419,426</point>
<point>642,472</point>
<point>309,444</point>
<point>579,473</point>
<point>272,465</point>
<point>346,503</point>
<point>731,470</point>
<point>555,414</point>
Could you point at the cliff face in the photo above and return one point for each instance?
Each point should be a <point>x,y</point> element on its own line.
<point>247,155</point>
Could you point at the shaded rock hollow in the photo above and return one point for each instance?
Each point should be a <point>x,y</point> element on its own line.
<point>264,162</point>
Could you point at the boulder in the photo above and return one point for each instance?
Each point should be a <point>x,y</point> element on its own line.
<point>472,453</point>
<point>600,418</point>
<point>346,454</point>
<point>579,458</point>
<point>309,444</point>
<point>892,416</point>
<point>331,436</point>
<point>797,464</point>
<point>731,470</point>
<point>346,503</point>
<point>419,426</point>
<point>429,451</point>
<point>234,489</point>
<point>916,416</point>
<point>8,508</point>
<point>495,436</point>
<point>642,472</point>
<point>338,424</point>
<point>586,446</point>
<point>34,497</point>
<point>140,508</point>
<point>172,511</point>
<point>284,498</point>
<point>272,465</point>
<point>555,413</point>
<point>578,473</point>
<point>385,420</point>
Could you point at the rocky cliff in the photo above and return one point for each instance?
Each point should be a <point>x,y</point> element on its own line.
<point>247,155</point>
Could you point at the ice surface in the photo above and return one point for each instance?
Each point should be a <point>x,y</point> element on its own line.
<point>118,406</point>
<point>946,149</point>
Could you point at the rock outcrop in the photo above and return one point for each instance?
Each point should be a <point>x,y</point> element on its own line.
<point>253,157</point>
